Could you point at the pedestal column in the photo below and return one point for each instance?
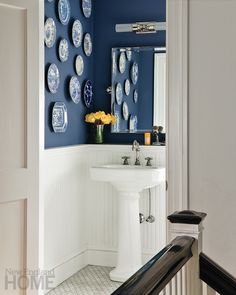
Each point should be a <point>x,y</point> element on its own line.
<point>129,239</point>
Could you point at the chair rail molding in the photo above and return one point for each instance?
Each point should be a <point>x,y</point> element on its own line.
<point>177,104</point>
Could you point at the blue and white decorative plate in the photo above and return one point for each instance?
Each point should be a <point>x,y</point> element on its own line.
<point>63,50</point>
<point>87,7</point>
<point>75,89</point>
<point>88,93</point>
<point>64,11</point>
<point>119,93</point>
<point>59,117</point>
<point>77,33</point>
<point>122,62</point>
<point>53,78</point>
<point>127,87</point>
<point>135,96</point>
<point>125,111</point>
<point>133,123</point>
<point>134,73</point>
<point>88,45</point>
<point>128,54</point>
<point>116,126</point>
<point>79,65</point>
<point>50,32</point>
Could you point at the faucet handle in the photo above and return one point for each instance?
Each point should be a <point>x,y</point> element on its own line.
<point>125,158</point>
<point>148,159</point>
<point>135,145</point>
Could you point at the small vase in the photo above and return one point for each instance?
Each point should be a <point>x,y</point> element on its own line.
<point>97,133</point>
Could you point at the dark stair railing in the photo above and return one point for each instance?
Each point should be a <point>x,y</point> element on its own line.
<point>180,268</point>
<point>216,277</point>
<point>157,273</point>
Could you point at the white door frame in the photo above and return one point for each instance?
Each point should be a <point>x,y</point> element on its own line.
<point>24,183</point>
<point>177,104</point>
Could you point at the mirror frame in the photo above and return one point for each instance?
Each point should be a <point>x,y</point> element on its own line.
<point>156,49</point>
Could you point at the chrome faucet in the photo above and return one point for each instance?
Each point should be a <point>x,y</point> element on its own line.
<point>149,161</point>
<point>136,148</point>
<point>126,160</point>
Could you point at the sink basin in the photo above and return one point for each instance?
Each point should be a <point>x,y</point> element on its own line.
<point>129,181</point>
<point>129,177</point>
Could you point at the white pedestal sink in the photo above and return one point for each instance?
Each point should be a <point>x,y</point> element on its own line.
<point>129,181</point>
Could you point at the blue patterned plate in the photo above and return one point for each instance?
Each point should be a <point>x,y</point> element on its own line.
<point>77,33</point>
<point>128,54</point>
<point>135,96</point>
<point>75,89</point>
<point>88,93</point>
<point>122,63</point>
<point>87,7</point>
<point>63,50</point>
<point>59,117</point>
<point>79,65</point>
<point>134,73</point>
<point>53,78</point>
<point>88,45</point>
<point>127,87</point>
<point>133,123</point>
<point>64,11</point>
<point>50,32</point>
<point>119,93</point>
<point>116,126</point>
<point>125,111</point>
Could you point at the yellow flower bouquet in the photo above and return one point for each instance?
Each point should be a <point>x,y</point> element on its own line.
<point>98,120</point>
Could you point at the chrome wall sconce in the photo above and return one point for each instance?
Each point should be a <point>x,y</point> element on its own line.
<point>141,27</point>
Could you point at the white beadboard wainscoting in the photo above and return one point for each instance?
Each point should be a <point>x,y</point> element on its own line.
<point>81,215</point>
<point>65,229</point>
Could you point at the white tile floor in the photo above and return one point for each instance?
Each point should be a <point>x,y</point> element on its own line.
<point>91,280</point>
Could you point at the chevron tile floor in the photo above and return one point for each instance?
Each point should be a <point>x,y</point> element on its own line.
<point>91,280</point>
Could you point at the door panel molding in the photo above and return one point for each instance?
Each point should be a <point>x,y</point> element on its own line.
<point>20,176</point>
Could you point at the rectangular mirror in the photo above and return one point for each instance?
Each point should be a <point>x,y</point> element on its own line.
<point>138,89</point>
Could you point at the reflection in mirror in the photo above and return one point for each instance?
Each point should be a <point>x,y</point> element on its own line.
<point>138,88</point>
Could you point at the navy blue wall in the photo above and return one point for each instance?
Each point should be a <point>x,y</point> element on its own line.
<point>77,130</point>
<point>107,15</point>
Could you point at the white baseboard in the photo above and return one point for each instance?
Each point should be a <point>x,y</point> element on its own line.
<point>68,268</point>
<point>107,257</point>
<point>102,257</point>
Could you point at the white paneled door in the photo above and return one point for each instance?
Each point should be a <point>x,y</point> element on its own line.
<point>19,147</point>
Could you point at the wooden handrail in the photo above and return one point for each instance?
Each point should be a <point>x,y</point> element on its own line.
<point>158,272</point>
<point>216,277</point>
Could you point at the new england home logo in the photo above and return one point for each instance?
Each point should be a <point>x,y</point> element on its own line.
<point>29,279</point>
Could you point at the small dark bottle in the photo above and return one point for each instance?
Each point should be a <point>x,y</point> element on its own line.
<point>155,138</point>
<point>158,138</point>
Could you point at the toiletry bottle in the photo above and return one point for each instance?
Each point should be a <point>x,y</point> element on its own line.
<point>161,136</point>
<point>147,138</point>
<point>155,138</point>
